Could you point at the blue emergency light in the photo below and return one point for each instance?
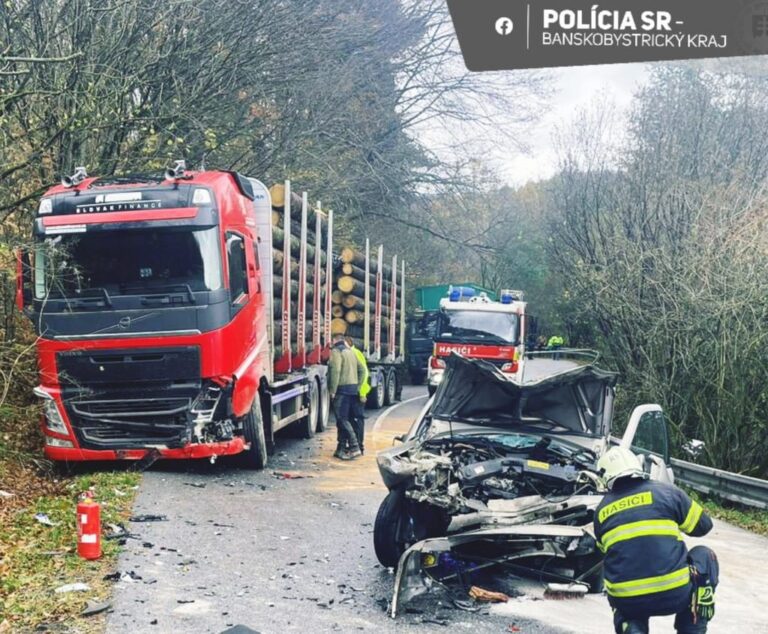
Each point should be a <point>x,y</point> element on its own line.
<point>457,293</point>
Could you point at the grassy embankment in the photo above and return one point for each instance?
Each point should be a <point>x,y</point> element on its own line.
<point>35,559</point>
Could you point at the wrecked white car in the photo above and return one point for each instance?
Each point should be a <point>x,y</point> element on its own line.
<point>497,481</point>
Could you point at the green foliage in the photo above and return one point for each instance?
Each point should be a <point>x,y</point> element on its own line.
<point>664,251</point>
<point>755,520</point>
<point>36,559</point>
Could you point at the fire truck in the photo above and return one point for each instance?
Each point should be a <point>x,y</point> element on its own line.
<point>473,325</point>
<point>176,319</point>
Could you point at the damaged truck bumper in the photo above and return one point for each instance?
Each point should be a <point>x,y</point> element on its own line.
<point>200,450</point>
<point>542,553</point>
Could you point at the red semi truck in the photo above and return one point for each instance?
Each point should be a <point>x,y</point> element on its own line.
<point>166,322</point>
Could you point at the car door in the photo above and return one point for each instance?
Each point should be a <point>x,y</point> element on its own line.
<point>647,435</point>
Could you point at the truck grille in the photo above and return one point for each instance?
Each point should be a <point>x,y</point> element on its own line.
<point>130,399</point>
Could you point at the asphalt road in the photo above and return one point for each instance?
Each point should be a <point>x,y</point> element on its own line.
<point>276,555</point>
<point>296,555</point>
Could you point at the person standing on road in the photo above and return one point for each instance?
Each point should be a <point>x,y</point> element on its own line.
<point>556,343</point>
<point>648,570</point>
<point>344,370</point>
<point>358,406</point>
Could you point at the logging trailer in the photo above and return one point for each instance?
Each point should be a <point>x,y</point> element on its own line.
<point>175,319</point>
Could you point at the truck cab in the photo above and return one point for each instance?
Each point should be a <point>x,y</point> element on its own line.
<point>153,302</point>
<point>476,327</point>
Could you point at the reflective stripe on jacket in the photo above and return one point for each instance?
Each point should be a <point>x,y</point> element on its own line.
<point>364,385</point>
<point>639,526</point>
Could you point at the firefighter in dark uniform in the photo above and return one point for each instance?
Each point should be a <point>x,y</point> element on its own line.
<point>648,570</point>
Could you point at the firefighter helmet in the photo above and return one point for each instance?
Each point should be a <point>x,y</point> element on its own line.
<point>619,462</point>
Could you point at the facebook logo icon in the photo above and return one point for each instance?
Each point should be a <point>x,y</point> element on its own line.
<point>504,26</point>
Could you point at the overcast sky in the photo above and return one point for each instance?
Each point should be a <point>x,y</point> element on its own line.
<point>576,89</point>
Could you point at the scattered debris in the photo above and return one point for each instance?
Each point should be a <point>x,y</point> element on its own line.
<point>95,607</point>
<point>223,525</point>
<point>513,628</point>
<point>149,518</point>
<point>240,629</point>
<point>291,475</point>
<point>6,494</point>
<point>197,485</point>
<point>153,455</point>
<point>123,576</point>
<point>184,601</point>
<point>72,587</point>
<point>440,622</point>
<point>42,518</point>
<point>487,596</point>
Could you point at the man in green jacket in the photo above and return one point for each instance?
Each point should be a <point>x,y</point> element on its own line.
<point>358,407</point>
<point>344,371</point>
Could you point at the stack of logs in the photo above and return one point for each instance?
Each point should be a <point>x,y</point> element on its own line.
<point>348,299</point>
<point>278,256</point>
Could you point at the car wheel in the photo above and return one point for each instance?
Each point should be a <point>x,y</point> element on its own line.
<point>387,528</point>
<point>253,430</point>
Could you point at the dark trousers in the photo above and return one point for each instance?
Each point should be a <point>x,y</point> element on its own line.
<point>704,561</point>
<point>343,404</point>
<point>358,421</point>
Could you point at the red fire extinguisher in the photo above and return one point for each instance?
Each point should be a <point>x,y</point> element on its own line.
<point>88,527</point>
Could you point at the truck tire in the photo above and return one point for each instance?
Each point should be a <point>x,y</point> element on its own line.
<point>324,413</point>
<point>253,429</point>
<point>376,395</point>
<point>387,528</point>
<point>390,387</point>
<point>309,422</point>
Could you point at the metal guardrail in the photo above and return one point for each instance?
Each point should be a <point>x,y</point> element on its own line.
<point>730,486</point>
<point>734,487</point>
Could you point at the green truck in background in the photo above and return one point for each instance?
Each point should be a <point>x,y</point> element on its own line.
<point>422,325</point>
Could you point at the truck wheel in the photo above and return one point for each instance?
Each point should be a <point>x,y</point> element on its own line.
<point>309,423</point>
<point>390,385</point>
<point>376,395</point>
<point>325,408</point>
<point>387,528</point>
<point>253,428</point>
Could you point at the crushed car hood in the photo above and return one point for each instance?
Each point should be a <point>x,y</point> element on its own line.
<point>475,391</point>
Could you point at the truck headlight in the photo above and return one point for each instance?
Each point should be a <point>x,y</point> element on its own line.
<point>58,442</point>
<point>53,419</point>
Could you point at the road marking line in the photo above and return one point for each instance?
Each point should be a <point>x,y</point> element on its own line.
<point>391,408</point>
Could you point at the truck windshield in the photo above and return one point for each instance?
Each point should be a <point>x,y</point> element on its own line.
<point>485,326</point>
<point>132,262</point>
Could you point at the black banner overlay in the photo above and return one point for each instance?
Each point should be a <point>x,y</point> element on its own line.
<point>516,34</point>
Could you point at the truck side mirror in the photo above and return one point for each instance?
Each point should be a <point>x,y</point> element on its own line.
<point>23,279</point>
